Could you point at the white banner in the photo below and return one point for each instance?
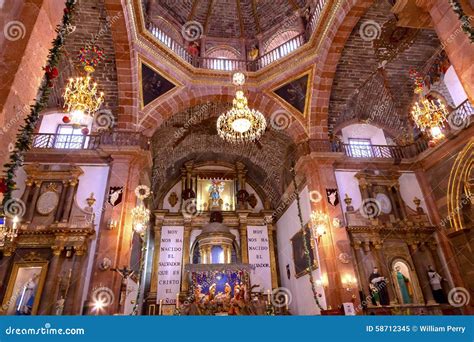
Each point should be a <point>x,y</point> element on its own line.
<point>130,296</point>
<point>170,265</point>
<point>259,257</point>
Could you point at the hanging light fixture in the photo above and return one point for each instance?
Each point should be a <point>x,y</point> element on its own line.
<point>241,124</point>
<point>319,224</point>
<point>429,115</point>
<point>140,214</point>
<point>81,96</point>
<point>8,232</point>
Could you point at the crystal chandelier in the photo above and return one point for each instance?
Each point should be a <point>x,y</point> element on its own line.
<point>241,124</point>
<point>428,114</point>
<point>319,224</point>
<point>82,98</point>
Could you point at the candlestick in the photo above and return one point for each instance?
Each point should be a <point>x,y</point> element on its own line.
<point>160,308</point>
<point>177,301</point>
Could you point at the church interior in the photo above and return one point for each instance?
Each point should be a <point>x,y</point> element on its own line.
<point>237,157</point>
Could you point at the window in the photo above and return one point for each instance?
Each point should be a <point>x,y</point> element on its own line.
<point>360,148</point>
<point>69,136</point>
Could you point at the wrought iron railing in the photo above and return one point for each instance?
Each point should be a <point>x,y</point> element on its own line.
<point>460,117</point>
<point>89,142</point>
<point>227,64</point>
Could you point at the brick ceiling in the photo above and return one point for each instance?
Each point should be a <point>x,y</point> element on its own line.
<point>359,62</point>
<point>233,18</point>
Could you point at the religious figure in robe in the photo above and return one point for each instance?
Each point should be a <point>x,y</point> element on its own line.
<point>215,190</point>
<point>25,302</point>
<point>379,287</point>
<point>435,282</point>
<point>404,285</point>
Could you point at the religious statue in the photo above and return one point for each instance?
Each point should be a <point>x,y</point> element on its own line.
<point>60,306</point>
<point>25,302</point>
<point>236,302</point>
<point>253,53</point>
<point>211,296</point>
<point>379,287</point>
<point>404,285</point>
<point>215,190</point>
<point>435,281</point>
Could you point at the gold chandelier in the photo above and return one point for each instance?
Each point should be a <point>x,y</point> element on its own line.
<point>82,98</point>
<point>241,124</point>
<point>429,114</point>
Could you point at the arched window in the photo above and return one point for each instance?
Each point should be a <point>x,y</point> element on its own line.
<point>279,39</point>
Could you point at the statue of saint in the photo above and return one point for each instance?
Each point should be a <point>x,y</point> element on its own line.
<point>215,190</point>
<point>60,306</point>
<point>404,285</point>
<point>26,300</point>
<point>435,281</point>
<point>379,287</point>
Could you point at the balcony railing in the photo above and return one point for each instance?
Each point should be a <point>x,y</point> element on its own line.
<point>460,117</point>
<point>227,64</point>
<point>89,142</point>
<point>65,141</point>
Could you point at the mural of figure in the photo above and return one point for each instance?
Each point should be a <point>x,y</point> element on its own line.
<point>380,286</point>
<point>404,285</point>
<point>435,281</point>
<point>215,190</point>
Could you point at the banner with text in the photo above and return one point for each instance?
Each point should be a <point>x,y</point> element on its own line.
<point>259,257</point>
<point>170,265</point>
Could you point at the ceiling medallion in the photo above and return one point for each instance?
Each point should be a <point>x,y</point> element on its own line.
<point>241,124</point>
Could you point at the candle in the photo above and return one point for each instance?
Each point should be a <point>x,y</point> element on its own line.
<point>177,301</point>
<point>160,308</point>
<point>286,301</point>
<point>268,297</point>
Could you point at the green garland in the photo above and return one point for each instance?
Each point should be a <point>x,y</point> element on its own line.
<point>306,240</point>
<point>25,134</point>
<point>465,23</point>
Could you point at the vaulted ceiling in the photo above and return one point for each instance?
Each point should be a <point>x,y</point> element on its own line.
<point>232,18</point>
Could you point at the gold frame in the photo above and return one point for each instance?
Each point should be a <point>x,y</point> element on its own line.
<point>315,264</point>
<point>178,85</point>
<point>308,95</point>
<point>12,280</point>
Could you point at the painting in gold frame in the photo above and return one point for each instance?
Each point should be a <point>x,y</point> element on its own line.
<point>300,259</point>
<point>24,288</point>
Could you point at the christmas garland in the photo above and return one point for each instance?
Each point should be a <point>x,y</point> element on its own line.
<point>25,134</point>
<point>465,22</point>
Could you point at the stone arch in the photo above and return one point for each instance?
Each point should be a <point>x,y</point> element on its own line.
<point>344,22</point>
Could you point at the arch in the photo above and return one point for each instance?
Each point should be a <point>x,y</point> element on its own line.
<point>126,64</point>
<point>344,22</point>
<point>417,297</point>
<point>460,186</point>
<point>169,29</point>
<point>223,51</point>
<point>278,39</point>
<point>156,115</point>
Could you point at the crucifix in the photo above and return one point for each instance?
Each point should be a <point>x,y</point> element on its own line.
<point>125,272</point>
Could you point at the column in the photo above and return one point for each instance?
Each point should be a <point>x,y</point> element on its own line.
<point>244,252</point>
<point>400,200</point>
<point>385,271</point>
<point>421,269</point>
<point>271,246</point>
<point>186,252</point>
<point>361,269</point>
<point>32,205</point>
<point>59,210</point>
<point>48,299</point>
<point>159,218</point>
<point>69,200</point>
<point>29,182</point>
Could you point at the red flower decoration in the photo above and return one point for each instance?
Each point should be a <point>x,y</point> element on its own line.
<point>85,131</point>
<point>66,119</point>
<point>51,72</point>
<point>3,186</point>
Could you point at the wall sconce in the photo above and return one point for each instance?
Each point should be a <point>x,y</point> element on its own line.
<point>349,282</point>
<point>140,214</point>
<point>319,224</point>
<point>112,224</point>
